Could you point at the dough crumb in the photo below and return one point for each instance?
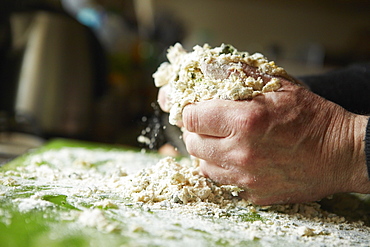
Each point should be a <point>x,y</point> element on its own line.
<point>214,73</point>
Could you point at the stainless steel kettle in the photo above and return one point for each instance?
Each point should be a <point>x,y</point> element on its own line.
<point>60,73</point>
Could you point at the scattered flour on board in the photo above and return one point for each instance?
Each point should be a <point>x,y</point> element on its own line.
<point>105,183</point>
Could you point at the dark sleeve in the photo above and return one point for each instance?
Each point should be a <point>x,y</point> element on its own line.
<point>348,87</point>
<point>367,147</point>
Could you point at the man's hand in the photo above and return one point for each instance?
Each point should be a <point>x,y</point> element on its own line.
<point>281,147</point>
<point>287,146</point>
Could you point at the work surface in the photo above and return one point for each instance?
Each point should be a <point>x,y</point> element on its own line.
<point>79,194</point>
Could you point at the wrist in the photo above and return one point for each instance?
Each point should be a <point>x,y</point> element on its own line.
<point>360,179</point>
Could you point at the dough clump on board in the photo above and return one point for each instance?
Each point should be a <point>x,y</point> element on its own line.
<point>214,73</point>
<point>176,182</point>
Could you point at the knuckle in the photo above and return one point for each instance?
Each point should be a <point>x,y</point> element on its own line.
<point>190,119</point>
<point>251,121</point>
<point>191,148</point>
<point>244,159</point>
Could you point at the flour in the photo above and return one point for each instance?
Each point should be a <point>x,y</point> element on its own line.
<point>96,218</point>
<point>162,199</point>
<point>209,73</point>
<point>34,202</point>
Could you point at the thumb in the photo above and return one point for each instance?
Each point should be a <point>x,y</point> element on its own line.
<point>209,117</point>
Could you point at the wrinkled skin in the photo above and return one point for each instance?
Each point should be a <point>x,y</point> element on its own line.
<point>287,146</point>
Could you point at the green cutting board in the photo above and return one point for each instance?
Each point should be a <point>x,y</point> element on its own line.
<point>37,209</point>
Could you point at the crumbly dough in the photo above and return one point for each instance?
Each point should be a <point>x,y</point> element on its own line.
<point>209,73</point>
<point>176,182</point>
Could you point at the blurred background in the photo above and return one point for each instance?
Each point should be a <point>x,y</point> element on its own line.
<point>82,69</point>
